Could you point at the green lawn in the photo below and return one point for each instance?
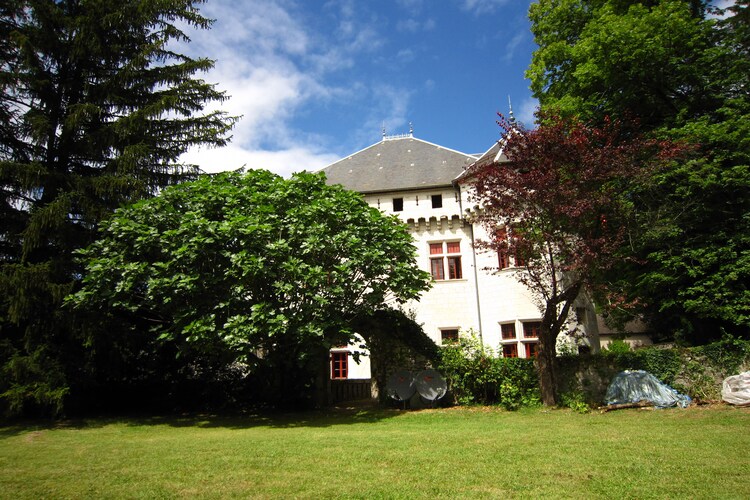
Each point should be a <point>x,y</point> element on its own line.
<point>700,452</point>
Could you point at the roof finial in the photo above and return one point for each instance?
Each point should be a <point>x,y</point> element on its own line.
<point>511,118</point>
<point>411,129</point>
<point>383,129</point>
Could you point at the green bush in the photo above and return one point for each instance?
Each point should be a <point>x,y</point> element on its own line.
<point>476,376</point>
<point>617,346</point>
<point>576,401</point>
<point>695,371</point>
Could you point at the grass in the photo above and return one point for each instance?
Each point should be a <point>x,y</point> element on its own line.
<point>698,453</point>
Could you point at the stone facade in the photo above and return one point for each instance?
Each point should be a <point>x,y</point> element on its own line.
<point>422,184</point>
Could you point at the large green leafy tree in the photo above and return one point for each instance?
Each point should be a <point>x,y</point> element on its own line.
<point>683,75</point>
<point>95,110</point>
<point>252,268</point>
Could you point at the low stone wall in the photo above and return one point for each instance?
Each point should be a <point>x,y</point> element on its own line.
<point>698,371</point>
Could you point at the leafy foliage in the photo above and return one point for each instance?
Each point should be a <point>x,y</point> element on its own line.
<point>696,371</point>
<point>270,273</point>
<point>560,195</point>
<point>477,376</point>
<point>684,76</point>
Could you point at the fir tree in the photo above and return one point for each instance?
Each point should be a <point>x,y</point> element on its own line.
<point>95,111</point>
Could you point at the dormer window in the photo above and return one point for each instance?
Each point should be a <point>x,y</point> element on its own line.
<point>437,201</point>
<point>398,204</point>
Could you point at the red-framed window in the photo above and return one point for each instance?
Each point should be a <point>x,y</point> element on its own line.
<point>508,331</point>
<point>503,261</point>
<point>531,329</point>
<point>518,256</point>
<point>510,351</point>
<point>443,252</point>
<point>436,269</point>
<point>503,257</point>
<point>520,260</point>
<point>449,336</point>
<point>339,365</point>
<point>454,267</point>
<point>531,349</point>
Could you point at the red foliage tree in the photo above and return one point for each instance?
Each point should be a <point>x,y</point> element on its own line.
<point>560,204</point>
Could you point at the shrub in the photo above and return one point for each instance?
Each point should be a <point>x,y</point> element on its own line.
<point>476,376</point>
<point>695,371</point>
<point>617,346</point>
<point>576,401</point>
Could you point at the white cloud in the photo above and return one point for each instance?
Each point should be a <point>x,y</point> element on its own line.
<point>722,4</point>
<point>479,7</point>
<point>283,162</point>
<point>526,112</point>
<point>512,45</point>
<point>405,55</point>
<point>271,66</point>
<point>413,25</point>
<point>391,112</point>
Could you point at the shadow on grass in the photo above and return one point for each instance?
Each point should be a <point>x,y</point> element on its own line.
<point>345,414</point>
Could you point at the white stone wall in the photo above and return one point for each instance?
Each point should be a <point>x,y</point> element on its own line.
<point>457,304</point>
<point>482,300</point>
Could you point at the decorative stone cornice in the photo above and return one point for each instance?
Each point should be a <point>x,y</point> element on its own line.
<point>442,223</point>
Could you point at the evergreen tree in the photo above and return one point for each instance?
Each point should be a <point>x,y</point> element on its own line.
<point>95,110</point>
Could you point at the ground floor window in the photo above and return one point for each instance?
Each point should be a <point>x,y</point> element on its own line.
<point>339,365</point>
<point>508,331</point>
<point>449,336</point>
<point>531,349</point>
<point>510,351</point>
<point>531,329</point>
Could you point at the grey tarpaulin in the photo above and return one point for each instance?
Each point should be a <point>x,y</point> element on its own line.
<point>736,389</point>
<point>632,386</point>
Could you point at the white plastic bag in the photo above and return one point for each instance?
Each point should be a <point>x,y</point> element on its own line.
<point>736,389</point>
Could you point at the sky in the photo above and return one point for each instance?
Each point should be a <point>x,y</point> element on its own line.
<point>318,80</point>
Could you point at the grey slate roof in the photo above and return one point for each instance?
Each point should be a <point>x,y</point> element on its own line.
<point>396,164</point>
<point>492,156</point>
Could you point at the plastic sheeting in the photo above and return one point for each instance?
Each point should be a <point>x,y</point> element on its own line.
<point>736,389</point>
<point>633,386</point>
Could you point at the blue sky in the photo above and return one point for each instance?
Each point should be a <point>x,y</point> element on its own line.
<point>317,80</point>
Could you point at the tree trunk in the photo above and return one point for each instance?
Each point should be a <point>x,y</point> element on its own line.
<point>546,356</point>
<point>323,396</point>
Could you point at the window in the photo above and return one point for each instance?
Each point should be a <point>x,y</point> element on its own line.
<point>437,201</point>
<point>436,263</point>
<point>501,236</point>
<point>531,349</point>
<point>398,204</point>
<point>339,365</point>
<point>508,331</point>
<point>449,336</point>
<point>520,260</point>
<point>531,329</point>
<point>503,256</point>
<point>440,253</point>
<point>510,351</point>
